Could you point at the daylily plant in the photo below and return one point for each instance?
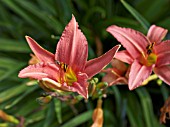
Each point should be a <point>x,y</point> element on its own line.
<point>144,53</point>
<point>67,69</point>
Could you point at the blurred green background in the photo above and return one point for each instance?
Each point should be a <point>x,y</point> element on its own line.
<point>44,20</point>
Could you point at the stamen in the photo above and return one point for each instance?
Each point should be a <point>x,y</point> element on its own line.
<point>67,74</point>
<point>57,62</point>
<point>70,76</point>
<point>150,48</point>
<point>62,65</point>
<point>149,57</point>
<point>152,58</point>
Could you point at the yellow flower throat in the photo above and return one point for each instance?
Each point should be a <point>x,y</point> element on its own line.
<point>66,74</point>
<point>150,57</point>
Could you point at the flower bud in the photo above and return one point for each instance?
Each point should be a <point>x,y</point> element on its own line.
<point>91,89</point>
<point>8,118</point>
<point>33,60</point>
<point>98,115</point>
<point>102,85</point>
<point>44,100</point>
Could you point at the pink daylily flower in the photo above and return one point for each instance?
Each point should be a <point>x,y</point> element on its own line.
<point>67,69</point>
<point>144,53</point>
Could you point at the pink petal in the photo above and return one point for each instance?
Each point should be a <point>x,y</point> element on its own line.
<point>163,53</point>
<point>163,73</point>
<point>81,90</point>
<point>39,71</point>
<point>134,41</point>
<point>94,66</point>
<point>124,56</point>
<point>163,47</point>
<point>72,48</point>
<point>156,34</point>
<point>81,86</point>
<point>138,73</point>
<point>42,54</point>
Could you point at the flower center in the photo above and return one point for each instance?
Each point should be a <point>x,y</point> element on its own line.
<point>150,57</point>
<point>66,74</point>
<point>70,76</point>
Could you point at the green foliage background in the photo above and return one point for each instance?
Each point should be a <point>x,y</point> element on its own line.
<point>44,20</point>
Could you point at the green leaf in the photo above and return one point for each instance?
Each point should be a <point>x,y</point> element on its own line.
<point>11,92</point>
<point>10,67</point>
<point>147,108</point>
<point>79,119</point>
<point>110,119</point>
<point>49,19</point>
<point>165,23</point>
<point>48,6</point>
<point>134,112</point>
<point>26,16</point>
<point>49,116</point>
<point>8,73</point>
<point>117,99</point>
<point>138,16</point>
<point>7,63</point>
<point>153,10</point>
<point>35,116</point>
<point>10,45</point>
<point>32,110</point>
<point>91,11</point>
<point>164,91</point>
<point>17,100</point>
<point>58,107</point>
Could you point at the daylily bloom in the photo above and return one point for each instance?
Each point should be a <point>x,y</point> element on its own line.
<point>144,53</point>
<point>67,69</point>
<point>117,74</point>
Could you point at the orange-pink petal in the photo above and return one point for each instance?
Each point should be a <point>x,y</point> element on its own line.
<point>156,34</point>
<point>81,86</point>
<point>94,66</point>
<point>138,73</point>
<point>42,54</point>
<point>39,71</point>
<point>163,73</point>
<point>124,56</point>
<point>163,53</point>
<point>134,41</point>
<point>72,49</point>
<point>80,90</point>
